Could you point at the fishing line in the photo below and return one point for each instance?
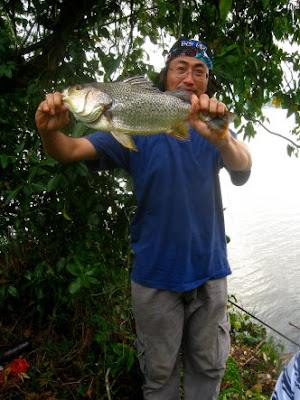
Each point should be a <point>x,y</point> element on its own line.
<point>262,322</point>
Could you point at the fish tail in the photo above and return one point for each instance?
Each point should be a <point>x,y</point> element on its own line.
<point>219,125</point>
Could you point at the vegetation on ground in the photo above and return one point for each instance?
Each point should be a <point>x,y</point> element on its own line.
<point>89,351</point>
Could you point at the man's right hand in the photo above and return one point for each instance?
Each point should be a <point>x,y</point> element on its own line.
<point>51,114</point>
<point>50,117</point>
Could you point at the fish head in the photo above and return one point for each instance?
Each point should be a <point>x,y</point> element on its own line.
<point>86,102</point>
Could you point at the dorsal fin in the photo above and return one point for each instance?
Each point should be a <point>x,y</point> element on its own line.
<point>180,94</point>
<point>140,81</point>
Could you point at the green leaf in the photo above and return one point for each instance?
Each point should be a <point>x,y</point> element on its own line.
<point>249,130</point>
<point>27,190</point>
<point>13,194</point>
<point>290,149</point>
<point>75,286</point>
<point>82,169</point>
<point>39,187</point>
<point>93,219</point>
<point>93,280</point>
<point>4,160</point>
<point>20,147</point>
<point>85,281</point>
<point>265,3</point>
<point>93,270</point>
<point>53,182</point>
<point>65,215</point>
<point>113,66</point>
<point>33,159</point>
<point>74,269</point>
<point>28,275</point>
<point>224,7</point>
<point>2,70</point>
<point>78,130</point>
<point>13,291</point>
<point>32,173</point>
<point>237,325</point>
<point>8,73</point>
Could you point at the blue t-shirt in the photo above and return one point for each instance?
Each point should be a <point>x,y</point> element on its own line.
<point>177,233</point>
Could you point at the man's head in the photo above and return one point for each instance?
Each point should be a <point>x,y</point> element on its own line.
<point>188,67</point>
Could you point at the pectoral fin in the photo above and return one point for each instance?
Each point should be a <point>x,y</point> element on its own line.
<point>179,131</point>
<point>124,139</point>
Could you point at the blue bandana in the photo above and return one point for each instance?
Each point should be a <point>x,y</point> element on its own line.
<point>205,58</point>
<point>191,48</point>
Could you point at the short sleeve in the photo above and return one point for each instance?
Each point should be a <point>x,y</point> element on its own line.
<point>111,153</point>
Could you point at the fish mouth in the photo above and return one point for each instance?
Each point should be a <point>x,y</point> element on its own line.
<point>64,96</point>
<point>88,116</point>
<point>67,102</point>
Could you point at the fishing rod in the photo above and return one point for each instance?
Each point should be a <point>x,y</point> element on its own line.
<point>262,322</point>
<point>294,326</point>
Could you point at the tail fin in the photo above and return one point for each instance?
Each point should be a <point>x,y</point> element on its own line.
<point>219,124</point>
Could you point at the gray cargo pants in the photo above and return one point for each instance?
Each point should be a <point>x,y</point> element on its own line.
<point>193,325</point>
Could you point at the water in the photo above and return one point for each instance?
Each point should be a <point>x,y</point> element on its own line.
<point>263,221</point>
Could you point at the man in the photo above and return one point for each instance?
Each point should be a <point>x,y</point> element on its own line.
<point>179,289</point>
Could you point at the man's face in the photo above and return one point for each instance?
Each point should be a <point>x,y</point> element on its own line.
<point>189,83</point>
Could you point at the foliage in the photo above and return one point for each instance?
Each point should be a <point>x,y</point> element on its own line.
<point>43,42</point>
<point>94,357</point>
<point>251,369</point>
<point>64,264</point>
<point>77,315</point>
<point>64,235</point>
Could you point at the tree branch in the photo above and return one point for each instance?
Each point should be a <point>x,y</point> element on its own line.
<point>180,18</point>
<point>52,48</point>
<point>276,134</point>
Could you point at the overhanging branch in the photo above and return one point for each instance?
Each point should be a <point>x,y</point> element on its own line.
<point>52,47</point>
<point>276,134</point>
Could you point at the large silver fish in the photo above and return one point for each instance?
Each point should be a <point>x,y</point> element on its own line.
<point>134,107</point>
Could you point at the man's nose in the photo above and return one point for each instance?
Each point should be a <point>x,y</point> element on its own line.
<point>189,77</point>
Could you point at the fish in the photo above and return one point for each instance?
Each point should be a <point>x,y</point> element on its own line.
<point>134,106</point>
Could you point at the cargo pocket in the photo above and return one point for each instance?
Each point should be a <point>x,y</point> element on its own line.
<point>223,342</point>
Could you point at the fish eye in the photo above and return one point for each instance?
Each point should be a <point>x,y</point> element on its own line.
<point>78,87</point>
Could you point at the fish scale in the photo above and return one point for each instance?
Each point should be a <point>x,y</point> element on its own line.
<point>140,111</point>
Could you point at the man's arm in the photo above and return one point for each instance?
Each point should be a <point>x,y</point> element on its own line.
<point>235,154</point>
<point>51,116</point>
